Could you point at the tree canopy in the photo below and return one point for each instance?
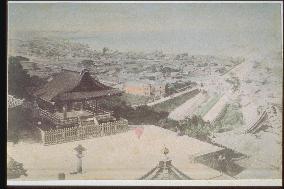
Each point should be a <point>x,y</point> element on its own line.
<point>18,78</point>
<point>15,169</point>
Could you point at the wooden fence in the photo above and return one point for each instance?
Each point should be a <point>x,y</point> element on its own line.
<point>56,136</point>
<point>99,113</point>
<point>55,119</point>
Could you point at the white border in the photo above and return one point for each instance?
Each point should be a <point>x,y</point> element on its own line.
<point>246,182</point>
<point>240,182</point>
<point>14,2</point>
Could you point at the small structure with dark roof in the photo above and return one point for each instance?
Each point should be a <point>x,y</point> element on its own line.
<point>165,170</point>
<point>70,100</point>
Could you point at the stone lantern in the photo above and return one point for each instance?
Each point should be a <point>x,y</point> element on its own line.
<point>79,149</point>
<point>165,151</point>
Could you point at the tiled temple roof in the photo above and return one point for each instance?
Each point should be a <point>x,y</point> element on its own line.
<point>67,85</point>
<point>165,171</point>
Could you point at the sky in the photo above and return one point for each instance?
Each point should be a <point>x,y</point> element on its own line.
<point>170,27</point>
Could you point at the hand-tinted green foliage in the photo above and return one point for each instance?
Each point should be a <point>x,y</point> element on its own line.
<point>231,117</point>
<point>169,124</point>
<point>204,108</point>
<point>194,127</point>
<point>139,115</point>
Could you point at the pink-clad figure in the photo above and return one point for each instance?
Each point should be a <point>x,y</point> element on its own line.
<point>139,131</point>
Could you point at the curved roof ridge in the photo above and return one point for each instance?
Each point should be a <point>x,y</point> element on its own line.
<point>165,171</point>
<point>63,82</point>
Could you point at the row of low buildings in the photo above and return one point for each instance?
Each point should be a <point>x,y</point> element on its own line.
<point>145,88</point>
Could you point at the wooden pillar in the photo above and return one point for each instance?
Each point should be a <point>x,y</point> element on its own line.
<point>82,106</point>
<point>42,136</point>
<point>79,164</point>
<point>71,106</point>
<point>64,111</point>
<point>102,129</point>
<point>35,108</point>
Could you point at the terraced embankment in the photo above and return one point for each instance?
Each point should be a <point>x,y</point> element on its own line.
<point>213,113</point>
<point>189,107</point>
<point>174,102</point>
<point>205,107</point>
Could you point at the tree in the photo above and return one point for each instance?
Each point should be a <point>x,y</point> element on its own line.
<point>196,127</point>
<point>21,126</point>
<point>15,169</point>
<point>105,50</point>
<point>21,58</point>
<point>18,79</point>
<point>140,115</point>
<point>169,124</point>
<point>36,81</point>
<point>154,69</point>
<point>87,63</point>
<point>168,90</point>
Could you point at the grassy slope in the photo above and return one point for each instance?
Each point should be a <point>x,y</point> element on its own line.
<point>171,104</point>
<point>231,118</point>
<point>207,106</point>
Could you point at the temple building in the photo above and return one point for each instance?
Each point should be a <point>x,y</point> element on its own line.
<point>165,170</point>
<point>67,108</point>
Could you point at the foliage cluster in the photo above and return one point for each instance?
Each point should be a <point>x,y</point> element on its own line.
<point>230,118</point>
<point>19,81</point>
<point>20,126</point>
<point>140,115</point>
<point>194,127</point>
<point>177,86</point>
<point>15,169</point>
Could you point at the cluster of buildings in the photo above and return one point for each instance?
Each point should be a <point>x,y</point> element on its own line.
<point>145,88</point>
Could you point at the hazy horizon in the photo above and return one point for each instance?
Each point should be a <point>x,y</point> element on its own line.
<point>174,27</point>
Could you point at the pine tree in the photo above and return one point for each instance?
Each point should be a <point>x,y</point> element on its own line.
<point>15,169</point>
<point>18,78</point>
